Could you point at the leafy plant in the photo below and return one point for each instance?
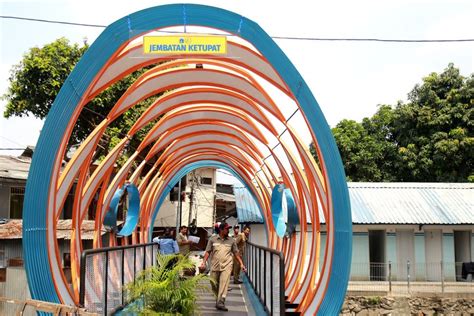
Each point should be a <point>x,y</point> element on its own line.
<point>374,300</point>
<point>163,289</point>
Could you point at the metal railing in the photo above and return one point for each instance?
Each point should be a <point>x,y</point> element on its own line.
<point>33,307</point>
<point>266,274</point>
<point>105,271</point>
<point>408,277</point>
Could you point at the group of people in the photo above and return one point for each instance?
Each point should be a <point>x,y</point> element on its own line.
<point>225,253</point>
<point>226,258</point>
<point>169,245</point>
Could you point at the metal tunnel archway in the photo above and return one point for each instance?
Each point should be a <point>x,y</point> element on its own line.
<point>222,115</point>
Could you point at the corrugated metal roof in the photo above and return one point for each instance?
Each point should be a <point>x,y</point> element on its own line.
<point>396,203</point>
<point>247,209</point>
<point>412,203</point>
<point>225,197</point>
<point>14,167</point>
<point>12,229</point>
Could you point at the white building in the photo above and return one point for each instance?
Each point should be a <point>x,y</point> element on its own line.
<point>197,201</point>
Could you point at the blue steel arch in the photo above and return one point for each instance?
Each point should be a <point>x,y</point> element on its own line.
<point>35,223</point>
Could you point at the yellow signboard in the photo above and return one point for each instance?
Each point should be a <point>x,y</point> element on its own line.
<point>185,44</point>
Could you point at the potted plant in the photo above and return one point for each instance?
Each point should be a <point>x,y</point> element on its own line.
<point>163,290</point>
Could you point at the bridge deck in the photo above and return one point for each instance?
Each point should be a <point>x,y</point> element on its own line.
<point>236,301</point>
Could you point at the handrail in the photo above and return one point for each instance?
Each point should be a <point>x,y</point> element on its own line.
<point>258,268</point>
<point>118,265</point>
<point>40,306</point>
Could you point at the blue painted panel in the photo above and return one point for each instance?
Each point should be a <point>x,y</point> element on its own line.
<point>448,257</point>
<point>284,213</point>
<point>360,257</point>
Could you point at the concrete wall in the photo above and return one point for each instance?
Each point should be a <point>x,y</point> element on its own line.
<point>16,287</point>
<point>422,267</point>
<point>391,252</point>
<point>419,266</point>
<point>258,234</point>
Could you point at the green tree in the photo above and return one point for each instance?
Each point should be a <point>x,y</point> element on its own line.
<point>37,79</point>
<point>361,152</point>
<point>434,130</point>
<point>428,139</point>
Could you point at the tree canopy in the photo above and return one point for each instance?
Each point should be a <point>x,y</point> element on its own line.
<point>427,139</point>
<point>36,80</point>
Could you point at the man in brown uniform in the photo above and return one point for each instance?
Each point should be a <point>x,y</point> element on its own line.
<point>222,247</point>
<point>240,240</point>
<point>183,241</point>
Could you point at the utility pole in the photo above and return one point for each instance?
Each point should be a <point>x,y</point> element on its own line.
<point>191,197</point>
<point>179,211</point>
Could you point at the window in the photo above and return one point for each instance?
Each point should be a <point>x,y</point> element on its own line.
<point>175,190</point>
<point>205,180</point>
<point>17,195</point>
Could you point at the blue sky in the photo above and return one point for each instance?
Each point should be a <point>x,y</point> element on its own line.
<point>348,79</point>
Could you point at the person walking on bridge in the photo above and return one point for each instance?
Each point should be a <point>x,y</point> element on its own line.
<point>222,247</point>
<point>240,240</point>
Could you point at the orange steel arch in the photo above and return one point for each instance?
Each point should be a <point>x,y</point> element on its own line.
<point>218,113</point>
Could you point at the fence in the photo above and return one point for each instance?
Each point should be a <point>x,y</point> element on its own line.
<point>266,273</point>
<point>105,271</point>
<point>406,278</point>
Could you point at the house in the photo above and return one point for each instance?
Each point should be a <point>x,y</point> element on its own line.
<point>431,225</point>
<point>425,229</point>
<point>13,175</point>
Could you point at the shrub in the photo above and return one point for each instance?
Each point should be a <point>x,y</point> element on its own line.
<point>163,289</point>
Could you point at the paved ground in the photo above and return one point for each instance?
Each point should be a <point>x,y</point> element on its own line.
<point>235,302</point>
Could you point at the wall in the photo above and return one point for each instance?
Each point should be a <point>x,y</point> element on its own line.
<point>16,287</point>
<point>5,185</point>
<point>421,268</point>
<point>258,234</point>
<point>420,258</point>
<point>13,248</point>
<point>391,250</point>
<point>4,200</point>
